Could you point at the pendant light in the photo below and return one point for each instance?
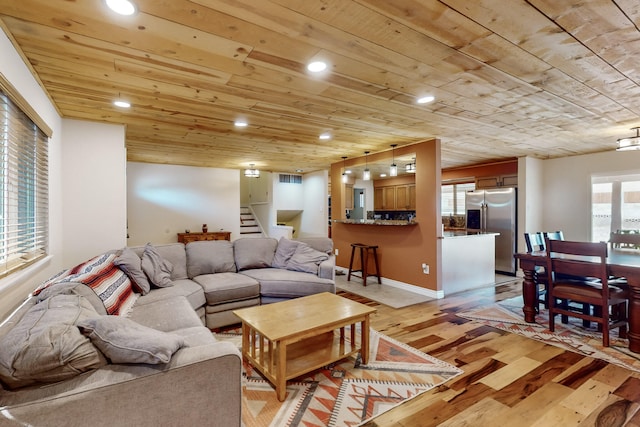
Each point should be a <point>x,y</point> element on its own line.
<point>631,142</point>
<point>252,172</point>
<point>366,176</point>
<point>393,170</point>
<point>411,167</point>
<point>344,169</point>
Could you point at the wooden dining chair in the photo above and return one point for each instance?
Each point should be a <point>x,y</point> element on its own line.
<point>606,305</point>
<point>624,240</point>
<point>535,243</point>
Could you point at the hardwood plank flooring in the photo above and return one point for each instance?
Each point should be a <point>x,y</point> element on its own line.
<point>507,378</point>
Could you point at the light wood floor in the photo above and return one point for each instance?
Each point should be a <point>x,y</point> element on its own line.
<point>508,380</point>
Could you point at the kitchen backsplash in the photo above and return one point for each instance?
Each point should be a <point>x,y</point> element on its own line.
<point>455,221</point>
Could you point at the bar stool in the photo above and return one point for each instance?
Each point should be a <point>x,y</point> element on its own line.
<point>364,258</point>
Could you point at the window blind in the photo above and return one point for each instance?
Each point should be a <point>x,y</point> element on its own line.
<point>24,192</point>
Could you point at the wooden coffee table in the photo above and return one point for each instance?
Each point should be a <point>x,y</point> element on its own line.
<point>287,339</point>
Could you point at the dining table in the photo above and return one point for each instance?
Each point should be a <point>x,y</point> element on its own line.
<point>620,263</point>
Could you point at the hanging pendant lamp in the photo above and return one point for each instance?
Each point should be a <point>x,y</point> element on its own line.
<point>366,176</point>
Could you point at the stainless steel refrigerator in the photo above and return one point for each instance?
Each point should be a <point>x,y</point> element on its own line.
<point>494,211</point>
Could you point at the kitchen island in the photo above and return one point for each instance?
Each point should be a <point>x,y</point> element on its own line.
<point>468,260</point>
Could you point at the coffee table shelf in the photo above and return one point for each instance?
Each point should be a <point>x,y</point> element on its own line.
<point>288,339</point>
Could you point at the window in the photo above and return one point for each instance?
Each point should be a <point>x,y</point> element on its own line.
<point>615,205</point>
<point>24,211</point>
<point>452,198</point>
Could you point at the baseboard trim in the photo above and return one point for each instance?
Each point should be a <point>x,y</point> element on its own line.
<point>404,286</point>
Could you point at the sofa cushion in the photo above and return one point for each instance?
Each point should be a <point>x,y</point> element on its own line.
<point>46,345</point>
<point>166,315</point>
<point>306,259</point>
<point>157,269</point>
<point>254,252</point>
<point>277,282</point>
<point>125,341</point>
<point>284,252</point>
<point>181,287</point>
<point>129,262</point>
<point>73,288</point>
<point>208,257</point>
<point>221,288</point>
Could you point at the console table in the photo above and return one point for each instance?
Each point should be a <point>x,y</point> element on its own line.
<point>193,237</point>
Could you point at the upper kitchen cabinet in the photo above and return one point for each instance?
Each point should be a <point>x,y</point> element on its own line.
<point>395,197</point>
<point>497,181</point>
<point>348,196</point>
<point>384,198</point>
<point>406,197</point>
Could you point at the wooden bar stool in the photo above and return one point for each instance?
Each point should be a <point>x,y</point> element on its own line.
<point>364,258</point>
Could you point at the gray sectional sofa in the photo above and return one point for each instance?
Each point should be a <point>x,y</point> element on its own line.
<point>68,359</point>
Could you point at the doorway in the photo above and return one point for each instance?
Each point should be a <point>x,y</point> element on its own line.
<point>359,210</point>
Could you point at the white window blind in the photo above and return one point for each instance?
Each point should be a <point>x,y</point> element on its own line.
<point>24,194</point>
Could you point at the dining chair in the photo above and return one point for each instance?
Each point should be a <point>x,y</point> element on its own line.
<point>624,239</point>
<point>606,305</point>
<point>553,235</point>
<point>535,243</point>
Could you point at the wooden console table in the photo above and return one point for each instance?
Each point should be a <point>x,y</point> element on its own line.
<point>193,237</point>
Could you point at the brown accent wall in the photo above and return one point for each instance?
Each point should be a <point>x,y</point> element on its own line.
<point>508,167</point>
<point>401,249</point>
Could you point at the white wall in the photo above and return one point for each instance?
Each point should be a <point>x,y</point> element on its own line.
<point>567,188</point>
<point>95,191</point>
<point>15,287</point>
<point>163,200</point>
<point>315,197</point>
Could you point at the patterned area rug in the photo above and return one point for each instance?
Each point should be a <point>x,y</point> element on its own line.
<point>346,393</point>
<point>507,315</point>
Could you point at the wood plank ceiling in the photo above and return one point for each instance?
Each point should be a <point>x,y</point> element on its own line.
<point>542,78</point>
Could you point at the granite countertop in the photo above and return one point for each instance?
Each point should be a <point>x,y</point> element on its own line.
<point>375,222</point>
<point>466,233</point>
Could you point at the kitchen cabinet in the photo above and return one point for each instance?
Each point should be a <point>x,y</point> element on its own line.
<point>497,181</point>
<point>384,198</point>
<point>348,196</point>
<point>395,197</point>
<point>405,197</point>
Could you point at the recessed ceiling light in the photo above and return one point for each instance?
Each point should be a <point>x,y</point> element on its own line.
<point>299,170</point>
<point>425,99</point>
<point>122,104</point>
<point>325,136</point>
<point>347,171</point>
<point>122,7</point>
<point>317,66</point>
<point>241,123</point>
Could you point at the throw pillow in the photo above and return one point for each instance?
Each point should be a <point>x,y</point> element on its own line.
<point>46,346</point>
<point>157,269</point>
<point>131,264</point>
<point>124,341</point>
<point>306,259</point>
<point>284,252</point>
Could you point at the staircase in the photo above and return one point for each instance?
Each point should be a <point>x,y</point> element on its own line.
<point>249,227</point>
